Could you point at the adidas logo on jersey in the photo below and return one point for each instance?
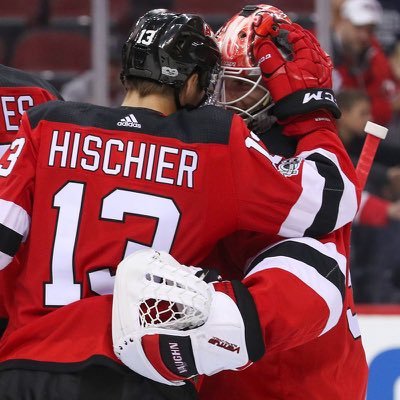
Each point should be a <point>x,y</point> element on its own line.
<point>129,120</point>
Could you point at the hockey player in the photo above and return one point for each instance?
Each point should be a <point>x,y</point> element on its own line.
<point>158,172</point>
<point>19,91</point>
<point>299,363</point>
<point>300,286</point>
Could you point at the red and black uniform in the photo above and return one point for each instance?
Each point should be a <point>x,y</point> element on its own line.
<point>18,92</point>
<point>302,290</point>
<point>304,299</point>
<point>83,186</point>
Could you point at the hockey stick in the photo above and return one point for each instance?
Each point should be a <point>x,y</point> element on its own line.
<point>375,133</point>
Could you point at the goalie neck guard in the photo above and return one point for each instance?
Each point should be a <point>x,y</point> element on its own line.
<point>168,47</point>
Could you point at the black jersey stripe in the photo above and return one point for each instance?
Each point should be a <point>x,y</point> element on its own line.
<point>11,77</point>
<point>326,217</point>
<point>209,124</point>
<point>9,240</point>
<point>326,266</point>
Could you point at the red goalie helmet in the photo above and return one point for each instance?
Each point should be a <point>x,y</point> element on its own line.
<point>241,88</point>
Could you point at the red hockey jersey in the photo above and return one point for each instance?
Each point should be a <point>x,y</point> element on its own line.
<point>18,92</point>
<point>305,303</point>
<point>83,186</point>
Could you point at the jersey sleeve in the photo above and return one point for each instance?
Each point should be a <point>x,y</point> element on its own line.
<point>298,286</point>
<point>16,191</point>
<point>310,194</point>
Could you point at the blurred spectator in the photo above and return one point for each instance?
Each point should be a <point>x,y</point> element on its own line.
<point>356,111</point>
<point>385,173</point>
<point>394,60</point>
<point>81,88</point>
<point>360,61</point>
<point>335,9</point>
<point>388,31</point>
<point>394,126</point>
<point>377,211</point>
<point>376,232</point>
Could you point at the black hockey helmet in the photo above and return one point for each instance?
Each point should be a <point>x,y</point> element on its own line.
<point>168,47</point>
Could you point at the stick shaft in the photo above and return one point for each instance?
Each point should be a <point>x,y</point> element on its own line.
<point>366,159</point>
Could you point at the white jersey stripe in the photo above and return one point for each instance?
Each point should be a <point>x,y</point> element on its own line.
<point>303,212</point>
<point>328,249</point>
<point>348,204</point>
<point>5,259</point>
<point>311,277</point>
<point>15,218</point>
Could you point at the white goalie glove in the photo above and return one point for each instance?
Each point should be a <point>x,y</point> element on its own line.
<point>169,325</point>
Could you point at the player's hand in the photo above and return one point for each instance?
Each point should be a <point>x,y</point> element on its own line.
<point>296,71</point>
<point>226,334</point>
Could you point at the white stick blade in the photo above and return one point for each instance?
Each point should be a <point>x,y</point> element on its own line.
<point>375,130</point>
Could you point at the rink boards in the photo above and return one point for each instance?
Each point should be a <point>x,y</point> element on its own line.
<point>380,329</point>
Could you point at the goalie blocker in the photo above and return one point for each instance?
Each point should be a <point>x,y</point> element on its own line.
<point>169,325</point>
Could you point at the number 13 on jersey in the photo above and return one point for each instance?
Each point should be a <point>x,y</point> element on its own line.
<point>69,201</point>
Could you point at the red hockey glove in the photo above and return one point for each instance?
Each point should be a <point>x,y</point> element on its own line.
<point>296,71</point>
<point>169,325</point>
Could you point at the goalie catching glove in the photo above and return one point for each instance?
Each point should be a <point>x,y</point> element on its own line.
<point>169,325</point>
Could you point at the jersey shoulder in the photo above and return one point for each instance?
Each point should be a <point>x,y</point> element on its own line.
<point>207,124</point>
<point>12,77</point>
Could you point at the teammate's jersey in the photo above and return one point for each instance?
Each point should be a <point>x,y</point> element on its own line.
<point>306,309</point>
<point>305,303</point>
<point>18,92</point>
<point>83,186</point>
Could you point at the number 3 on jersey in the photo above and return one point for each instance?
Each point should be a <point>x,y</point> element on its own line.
<point>15,150</point>
<point>63,288</point>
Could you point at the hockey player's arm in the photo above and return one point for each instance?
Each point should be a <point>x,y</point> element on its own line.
<point>170,325</point>
<point>177,326</point>
<point>311,194</point>
<point>298,286</point>
<point>17,168</point>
